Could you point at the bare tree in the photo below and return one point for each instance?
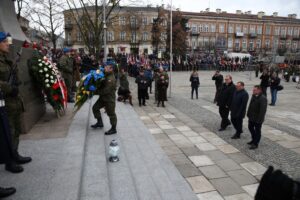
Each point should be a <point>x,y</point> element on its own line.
<point>20,4</point>
<point>88,17</point>
<point>47,16</point>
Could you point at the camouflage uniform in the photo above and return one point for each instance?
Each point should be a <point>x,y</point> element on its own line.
<point>66,64</point>
<point>107,99</point>
<point>13,102</point>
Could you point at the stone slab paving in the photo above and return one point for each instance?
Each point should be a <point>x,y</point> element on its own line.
<point>226,165</point>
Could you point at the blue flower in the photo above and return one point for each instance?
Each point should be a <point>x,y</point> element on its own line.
<point>92,88</point>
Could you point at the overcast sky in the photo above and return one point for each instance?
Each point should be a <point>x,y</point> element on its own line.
<point>283,7</point>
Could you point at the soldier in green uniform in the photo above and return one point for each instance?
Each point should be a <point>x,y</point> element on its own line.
<point>66,64</point>
<point>107,100</point>
<point>166,78</point>
<point>9,84</point>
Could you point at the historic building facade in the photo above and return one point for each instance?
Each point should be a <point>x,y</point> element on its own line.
<point>128,30</point>
<point>242,32</point>
<point>131,31</point>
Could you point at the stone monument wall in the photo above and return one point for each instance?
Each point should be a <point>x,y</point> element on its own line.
<point>32,97</point>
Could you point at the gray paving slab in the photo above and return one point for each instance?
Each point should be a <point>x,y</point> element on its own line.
<point>226,186</point>
<point>239,157</point>
<point>213,171</point>
<point>242,177</point>
<point>228,164</point>
<point>188,170</point>
<point>216,155</point>
<point>191,151</point>
<point>179,159</point>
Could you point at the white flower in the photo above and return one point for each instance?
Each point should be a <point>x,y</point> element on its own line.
<point>40,64</point>
<point>47,85</point>
<point>40,60</point>
<point>52,81</point>
<point>45,69</point>
<point>41,71</point>
<point>51,77</point>
<point>45,58</point>
<point>47,75</point>
<point>47,81</point>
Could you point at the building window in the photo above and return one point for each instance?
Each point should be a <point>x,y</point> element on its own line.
<point>244,44</point>
<point>206,28</point>
<point>259,30</point>
<point>276,31</point>
<point>194,28</point>
<point>283,31</point>
<point>110,36</point>
<point>213,28</point>
<point>276,43</point>
<point>245,29</point>
<point>290,31</point>
<point>122,21</point>
<point>144,21</point>
<point>133,38</point>
<point>230,45</point>
<point>221,28</point>
<point>163,36</point>
<point>268,30</point>
<point>133,20</point>
<point>294,45</point>
<point>164,22</point>
<point>267,44</point>
<point>79,38</point>
<point>237,45</point>
<point>230,28</point>
<point>258,43</point>
<point>252,29</point>
<point>251,45</point>
<point>238,28</point>
<point>122,36</point>
<point>288,44</point>
<point>296,31</point>
<point>200,28</point>
<point>145,36</point>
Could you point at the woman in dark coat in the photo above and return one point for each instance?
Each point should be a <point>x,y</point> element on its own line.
<point>275,81</point>
<point>195,83</point>
<point>264,84</point>
<point>162,85</point>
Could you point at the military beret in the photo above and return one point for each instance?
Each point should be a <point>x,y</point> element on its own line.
<point>66,50</point>
<point>3,36</point>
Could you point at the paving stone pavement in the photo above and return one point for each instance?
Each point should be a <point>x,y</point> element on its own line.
<point>219,167</point>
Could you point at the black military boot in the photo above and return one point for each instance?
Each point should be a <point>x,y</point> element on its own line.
<point>20,159</point>
<point>99,124</point>
<point>111,131</point>
<point>13,167</point>
<point>5,192</point>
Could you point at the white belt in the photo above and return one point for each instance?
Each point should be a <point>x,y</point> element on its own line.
<point>2,103</point>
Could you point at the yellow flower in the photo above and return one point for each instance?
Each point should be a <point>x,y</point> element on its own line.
<point>88,93</point>
<point>82,88</point>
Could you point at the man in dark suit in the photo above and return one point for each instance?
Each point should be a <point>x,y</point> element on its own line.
<point>256,114</point>
<point>218,78</point>
<point>238,108</point>
<point>224,101</point>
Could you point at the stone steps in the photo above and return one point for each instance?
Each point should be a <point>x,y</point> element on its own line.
<point>143,172</point>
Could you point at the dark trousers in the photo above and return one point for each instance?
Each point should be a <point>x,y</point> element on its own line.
<point>150,87</point>
<point>264,90</point>
<point>142,93</point>
<point>255,130</point>
<point>224,112</point>
<point>238,125</point>
<point>195,89</point>
<point>109,108</point>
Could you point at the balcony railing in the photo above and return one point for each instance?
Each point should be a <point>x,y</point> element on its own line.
<point>239,34</point>
<point>252,35</point>
<point>134,25</point>
<point>68,26</point>
<point>283,37</point>
<point>296,37</point>
<point>194,33</point>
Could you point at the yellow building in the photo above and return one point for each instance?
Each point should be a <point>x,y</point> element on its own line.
<point>130,31</point>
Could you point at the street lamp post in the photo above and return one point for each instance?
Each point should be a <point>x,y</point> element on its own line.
<point>171,48</point>
<point>105,31</point>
